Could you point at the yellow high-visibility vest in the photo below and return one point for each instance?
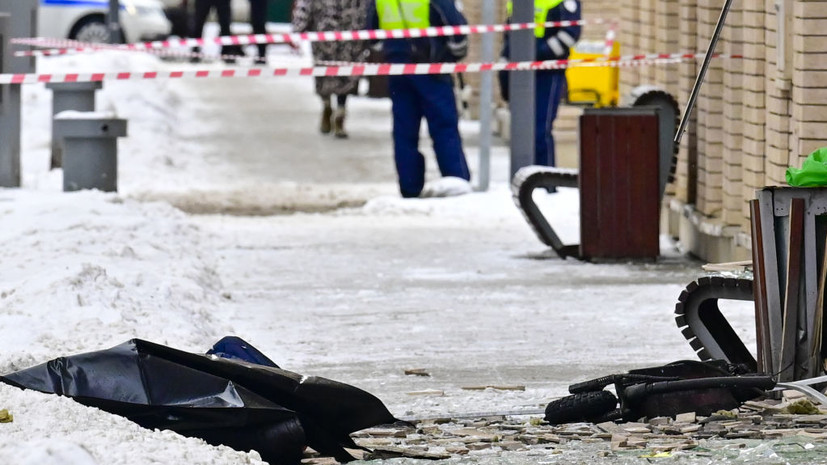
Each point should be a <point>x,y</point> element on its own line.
<point>541,9</point>
<point>403,14</point>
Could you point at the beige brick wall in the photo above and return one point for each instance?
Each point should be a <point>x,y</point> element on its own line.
<point>809,78</point>
<point>751,120</point>
<point>735,81</point>
<point>754,111</point>
<point>686,179</point>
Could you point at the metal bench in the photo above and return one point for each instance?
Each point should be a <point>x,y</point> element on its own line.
<point>525,181</point>
<point>704,326</point>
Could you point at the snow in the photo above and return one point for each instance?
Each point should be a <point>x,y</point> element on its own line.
<point>96,115</point>
<point>351,290</point>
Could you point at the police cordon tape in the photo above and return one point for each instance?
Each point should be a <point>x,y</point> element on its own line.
<point>357,69</point>
<point>66,46</point>
<point>611,35</point>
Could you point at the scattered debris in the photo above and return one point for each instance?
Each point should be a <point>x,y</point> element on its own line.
<point>497,388</point>
<point>654,438</point>
<point>427,392</point>
<point>417,372</point>
<point>802,407</point>
<point>5,416</point>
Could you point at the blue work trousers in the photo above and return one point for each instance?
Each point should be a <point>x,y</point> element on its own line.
<point>431,96</point>
<point>550,86</point>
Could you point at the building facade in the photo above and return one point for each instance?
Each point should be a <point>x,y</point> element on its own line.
<point>755,115</point>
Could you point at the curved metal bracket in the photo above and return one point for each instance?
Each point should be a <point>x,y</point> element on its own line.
<point>523,184</point>
<point>705,327</point>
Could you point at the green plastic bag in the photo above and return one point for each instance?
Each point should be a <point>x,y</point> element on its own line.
<point>813,172</point>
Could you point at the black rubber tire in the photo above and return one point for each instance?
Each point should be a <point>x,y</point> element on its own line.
<point>665,100</point>
<point>583,407</point>
<point>91,29</point>
<point>659,98</point>
<point>592,385</point>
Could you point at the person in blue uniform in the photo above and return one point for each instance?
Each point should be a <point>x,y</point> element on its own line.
<point>430,96</point>
<point>552,43</point>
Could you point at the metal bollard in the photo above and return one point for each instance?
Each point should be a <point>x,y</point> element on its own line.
<point>79,96</point>
<point>90,150</point>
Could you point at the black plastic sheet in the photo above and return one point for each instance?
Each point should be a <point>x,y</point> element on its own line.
<point>221,397</point>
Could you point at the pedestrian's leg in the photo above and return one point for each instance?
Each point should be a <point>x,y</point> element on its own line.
<point>258,19</point>
<point>224,13</point>
<point>543,84</point>
<point>439,106</point>
<point>339,117</point>
<point>341,100</point>
<point>558,88</point>
<point>202,10</point>
<point>407,118</point>
<point>325,125</point>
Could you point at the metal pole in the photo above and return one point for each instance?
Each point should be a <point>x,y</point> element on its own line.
<point>486,99</point>
<point>696,89</point>
<point>9,125</point>
<point>113,21</point>
<point>521,88</point>
<point>23,24</point>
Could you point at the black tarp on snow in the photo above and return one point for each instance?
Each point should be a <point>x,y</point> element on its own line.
<point>218,397</point>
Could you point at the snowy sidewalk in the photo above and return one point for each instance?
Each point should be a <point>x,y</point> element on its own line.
<point>457,287</point>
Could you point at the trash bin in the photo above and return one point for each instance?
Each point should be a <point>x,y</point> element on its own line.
<point>620,179</point>
<point>619,183</point>
<point>789,249</point>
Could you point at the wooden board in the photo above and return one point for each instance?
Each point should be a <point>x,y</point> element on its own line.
<point>764,348</point>
<point>619,184</point>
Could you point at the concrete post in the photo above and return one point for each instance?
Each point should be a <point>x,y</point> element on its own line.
<point>90,150</point>
<point>23,24</point>
<point>78,96</point>
<point>521,88</point>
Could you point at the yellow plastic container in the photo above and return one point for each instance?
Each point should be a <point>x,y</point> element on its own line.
<point>593,85</point>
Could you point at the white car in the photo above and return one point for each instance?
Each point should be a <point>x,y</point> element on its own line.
<point>85,20</point>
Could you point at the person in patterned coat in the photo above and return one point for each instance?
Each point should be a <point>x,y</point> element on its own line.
<point>333,15</point>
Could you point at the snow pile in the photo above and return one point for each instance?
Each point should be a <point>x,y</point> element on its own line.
<point>93,270</point>
<point>86,271</point>
<point>52,430</point>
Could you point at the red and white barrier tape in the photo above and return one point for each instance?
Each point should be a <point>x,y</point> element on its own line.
<point>611,36</point>
<point>356,69</point>
<point>64,46</point>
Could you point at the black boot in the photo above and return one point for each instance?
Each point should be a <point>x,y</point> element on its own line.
<point>327,113</point>
<point>339,124</point>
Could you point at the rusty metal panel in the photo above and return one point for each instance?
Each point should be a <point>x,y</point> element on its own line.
<point>793,294</point>
<point>762,325</point>
<point>619,183</point>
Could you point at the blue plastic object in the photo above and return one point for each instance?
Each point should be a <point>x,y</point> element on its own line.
<point>235,348</point>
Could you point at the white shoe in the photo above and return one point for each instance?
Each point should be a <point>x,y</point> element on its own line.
<point>449,186</point>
